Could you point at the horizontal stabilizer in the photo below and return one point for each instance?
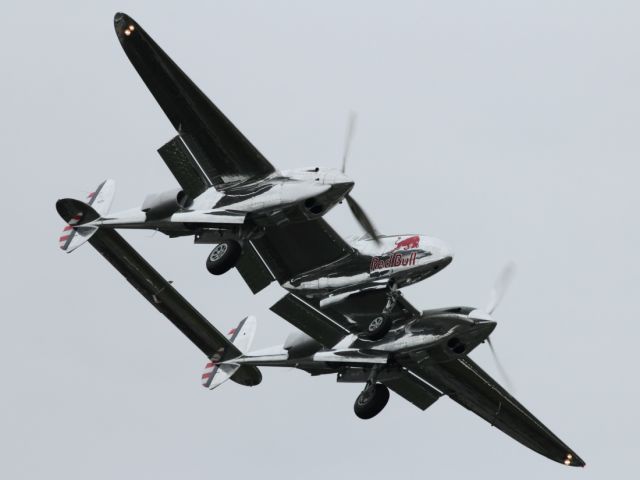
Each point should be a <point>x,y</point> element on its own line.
<point>166,299</point>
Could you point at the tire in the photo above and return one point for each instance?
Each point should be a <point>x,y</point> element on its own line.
<point>223,257</point>
<point>371,401</point>
<point>378,327</point>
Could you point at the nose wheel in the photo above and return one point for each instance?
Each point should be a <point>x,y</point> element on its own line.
<point>380,325</point>
<point>223,257</point>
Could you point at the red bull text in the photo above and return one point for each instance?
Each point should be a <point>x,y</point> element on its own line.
<point>395,260</point>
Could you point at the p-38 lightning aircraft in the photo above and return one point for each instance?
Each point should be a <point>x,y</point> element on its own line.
<point>342,295</point>
<point>229,190</point>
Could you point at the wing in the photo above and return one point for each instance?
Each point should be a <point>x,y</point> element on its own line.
<point>310,320</point>
<point>329,325</point>
<point>467,384</point>
<point>210,150</point>
<point>356,310</point>
<point>413,389</point>
<point>168,301</point>
<point>291,249</point>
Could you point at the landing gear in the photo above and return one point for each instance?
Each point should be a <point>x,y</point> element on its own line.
<point>371,401</point>
<point>380,325</point>
<point>373,398</point>
<point>223,257</point>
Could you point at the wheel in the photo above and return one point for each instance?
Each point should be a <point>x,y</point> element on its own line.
<point>371,401</point>
<point>378,327</point>
<point>223,257</point>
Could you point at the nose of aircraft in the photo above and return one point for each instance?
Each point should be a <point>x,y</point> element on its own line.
<point>336,177</point>
<point>339,181</point>
<point>438,247</point>
<point>485,326</point>
<point>483,323</point>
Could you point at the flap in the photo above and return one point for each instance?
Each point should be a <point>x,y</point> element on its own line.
<point>310,320</point>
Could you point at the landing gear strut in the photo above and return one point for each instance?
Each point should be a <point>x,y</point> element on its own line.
<point>380,325</point>
<point>223,257</point>
<point>372,399</point>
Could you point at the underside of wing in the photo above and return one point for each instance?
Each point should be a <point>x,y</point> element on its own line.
<point>467,384</point>
<point>310,320</point>
<point>414,389</point>
<point>169,302</point>
<point>218,153</point>
<point>292,249</point>
<point>329,325</point>
<point>356,310</point>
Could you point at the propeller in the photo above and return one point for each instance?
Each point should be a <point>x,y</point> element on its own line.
<point>497,294</point>
<point>503,372</point>
<point>351,129</point>
<point>500,286</point>
<point>362,218</point>
<point>354,206</point>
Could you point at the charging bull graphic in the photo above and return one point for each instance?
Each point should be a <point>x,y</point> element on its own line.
<point>407,243</point>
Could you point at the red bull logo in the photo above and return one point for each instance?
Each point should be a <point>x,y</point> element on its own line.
<point>407,243</point>
<point>395,260</point>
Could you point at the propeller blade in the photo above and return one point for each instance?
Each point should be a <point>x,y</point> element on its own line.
<point>500,287</point>
<point>502,371</point>
<point>351,127</point>
<point>362,218</point>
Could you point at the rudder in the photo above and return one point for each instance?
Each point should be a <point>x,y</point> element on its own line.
<point>219,369</point>
<point>77,213</point>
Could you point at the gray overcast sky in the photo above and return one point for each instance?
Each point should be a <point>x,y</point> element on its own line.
<point>506,128</point>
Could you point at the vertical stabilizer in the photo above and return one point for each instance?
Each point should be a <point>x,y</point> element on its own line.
<point>215,371</point>
<point>77,214</point>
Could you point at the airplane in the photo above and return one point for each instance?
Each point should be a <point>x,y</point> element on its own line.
<point>342,295</point>
<point>229,192</point>
<point>423,359</point>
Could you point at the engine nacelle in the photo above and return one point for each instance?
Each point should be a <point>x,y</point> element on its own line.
<point>300,345</point>
<point>161,205</point>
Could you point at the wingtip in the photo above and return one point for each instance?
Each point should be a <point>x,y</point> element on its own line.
<point>120,17</point>
<point>124,25</point>
<point>573,460</point>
